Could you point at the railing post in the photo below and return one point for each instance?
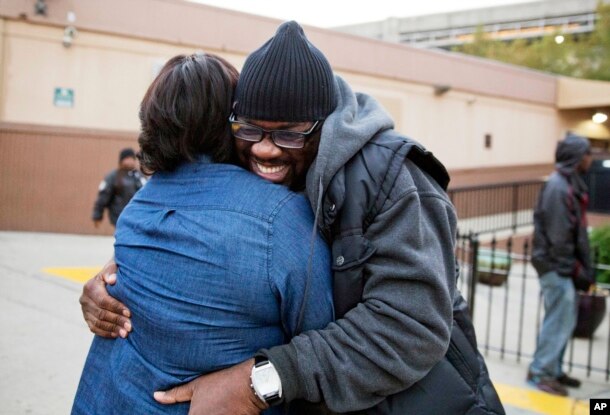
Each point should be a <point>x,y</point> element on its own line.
<point>595,262</point>
<point>526,260</point>
<point>474,256</point>
<point>515,205</point>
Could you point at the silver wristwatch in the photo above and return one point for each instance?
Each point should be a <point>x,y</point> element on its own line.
<point>265,381</point>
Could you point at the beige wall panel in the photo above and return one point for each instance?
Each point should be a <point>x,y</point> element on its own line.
<point>521,133</point>
<point>582,93</point>
<point>108,75</point>
<point>454,125</point>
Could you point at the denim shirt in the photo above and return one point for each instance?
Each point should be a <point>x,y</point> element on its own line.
<point>213,263</point>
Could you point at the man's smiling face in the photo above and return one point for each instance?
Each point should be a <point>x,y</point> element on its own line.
<point>287,166</point>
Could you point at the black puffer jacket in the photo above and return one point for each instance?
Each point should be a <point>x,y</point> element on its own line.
<point>459,383</point>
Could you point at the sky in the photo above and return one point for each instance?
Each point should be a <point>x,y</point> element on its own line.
<point>329,13</point>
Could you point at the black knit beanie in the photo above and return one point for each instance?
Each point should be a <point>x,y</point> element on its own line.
<point>287,79</point>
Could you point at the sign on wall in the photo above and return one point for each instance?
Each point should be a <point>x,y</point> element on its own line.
<point>63,97</point>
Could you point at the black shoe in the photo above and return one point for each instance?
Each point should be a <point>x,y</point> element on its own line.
<point>568,381</point>
<point>547,384</point>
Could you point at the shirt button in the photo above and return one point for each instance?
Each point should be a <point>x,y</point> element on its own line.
<point>340,260</point>
<point>332,207</point>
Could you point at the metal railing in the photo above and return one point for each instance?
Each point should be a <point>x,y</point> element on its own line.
<point>503,293</point>
<point>491,208</point>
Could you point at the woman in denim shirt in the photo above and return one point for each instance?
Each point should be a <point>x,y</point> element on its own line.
<point>213,260</point>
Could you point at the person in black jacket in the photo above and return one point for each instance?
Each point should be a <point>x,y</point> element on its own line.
<point>562,259</point>
<point>117,188</point>
<point>403,341</point>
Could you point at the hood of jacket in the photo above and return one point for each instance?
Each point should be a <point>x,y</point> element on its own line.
<point>568,156</point>
<point>356,120</point>
<point>570,152</point>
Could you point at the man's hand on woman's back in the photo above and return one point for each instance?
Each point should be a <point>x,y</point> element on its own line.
<point>225,392</point>
<point>104,315</point>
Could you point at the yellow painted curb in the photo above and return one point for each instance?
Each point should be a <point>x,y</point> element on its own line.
<point>76,274</point>
<point>540,402</point>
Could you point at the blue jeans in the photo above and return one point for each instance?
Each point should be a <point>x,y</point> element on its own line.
<point>560,313</point>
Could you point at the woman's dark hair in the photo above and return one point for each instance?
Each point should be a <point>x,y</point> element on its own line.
<point>185,113</point>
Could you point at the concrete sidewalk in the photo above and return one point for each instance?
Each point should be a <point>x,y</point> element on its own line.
<point>520,398</point>
<point>44,339</point>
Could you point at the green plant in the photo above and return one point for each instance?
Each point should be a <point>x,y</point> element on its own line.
<point>599,240</point>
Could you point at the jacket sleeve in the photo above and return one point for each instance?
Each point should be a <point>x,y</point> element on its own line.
<point>560,223</point>
<point>400,330</point>
<point>104,196</point>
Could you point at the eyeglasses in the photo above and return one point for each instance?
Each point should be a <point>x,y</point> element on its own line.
<point>281,138</point>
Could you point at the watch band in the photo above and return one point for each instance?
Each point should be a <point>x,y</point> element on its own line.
<point>259,358</point>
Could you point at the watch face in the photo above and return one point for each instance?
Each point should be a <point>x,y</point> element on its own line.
<point>266,380</point>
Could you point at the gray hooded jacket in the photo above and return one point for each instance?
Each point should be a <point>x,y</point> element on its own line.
<point>561,242</point>
<point>401,327</point>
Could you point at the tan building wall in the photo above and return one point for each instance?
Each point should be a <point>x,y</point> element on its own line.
<point>52,158</point>
<point>455,124</point>
<point>109,75</point>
